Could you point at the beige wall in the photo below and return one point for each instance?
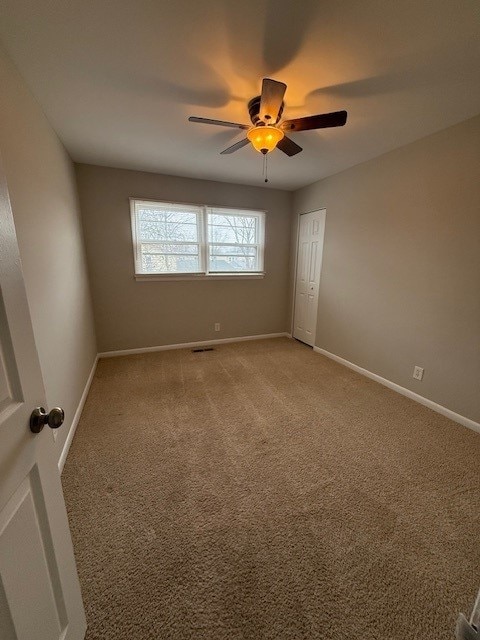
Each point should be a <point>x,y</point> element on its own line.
<point>131,314</point>
<point>42,189</point>
<point>401,267</point>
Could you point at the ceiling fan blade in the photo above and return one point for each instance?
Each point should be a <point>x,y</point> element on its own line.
<point>322,121</point>
<point>289,147</point>
<point>220,123</point>
<point>271,100</point>
<point>235,147</point>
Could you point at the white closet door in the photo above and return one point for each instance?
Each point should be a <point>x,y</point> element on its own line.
<point>309,264</point>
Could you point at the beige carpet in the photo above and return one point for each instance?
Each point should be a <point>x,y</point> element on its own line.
<point>261,491</point>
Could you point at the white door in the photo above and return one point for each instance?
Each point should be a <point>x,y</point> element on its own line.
<point>39,591</point>
<point>309,264</point>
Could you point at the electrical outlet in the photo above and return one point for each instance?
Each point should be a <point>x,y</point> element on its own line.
<point>418,373</point>
<point>217,326</point>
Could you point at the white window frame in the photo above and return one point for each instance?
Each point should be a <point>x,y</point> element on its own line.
<point>203,244</point>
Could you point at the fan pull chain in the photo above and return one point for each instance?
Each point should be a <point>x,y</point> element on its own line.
<point>265,167</point>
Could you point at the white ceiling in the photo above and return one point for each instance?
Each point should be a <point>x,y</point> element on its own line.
<point>118,78</point>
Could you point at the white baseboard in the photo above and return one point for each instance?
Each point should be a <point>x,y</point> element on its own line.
<point>189,345</point>
<point>76,418</point>
<point>456,417</point>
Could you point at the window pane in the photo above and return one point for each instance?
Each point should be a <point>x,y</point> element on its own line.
<point>233,258</point>
<point>163,263</point>
<point>232,250</point>
<point>166,215</point>
<point>171,231</point>
<point>232,264</point>
<point>232,229</point>
<point>158,248</point>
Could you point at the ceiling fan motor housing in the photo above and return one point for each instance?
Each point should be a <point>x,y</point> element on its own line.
<point>254,111</point>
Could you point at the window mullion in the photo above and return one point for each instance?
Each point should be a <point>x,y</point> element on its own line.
<point>235,244</point>
<point>206,240</point>
<point>204,264</point>
<point>138,247</point>
<point>186,242</point>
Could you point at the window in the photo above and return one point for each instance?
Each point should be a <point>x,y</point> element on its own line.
<point>192,240</point>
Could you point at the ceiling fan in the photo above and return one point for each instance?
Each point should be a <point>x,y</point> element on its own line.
<point>267,131</point>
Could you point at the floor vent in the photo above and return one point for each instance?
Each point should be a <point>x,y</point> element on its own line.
<point>205,349</point>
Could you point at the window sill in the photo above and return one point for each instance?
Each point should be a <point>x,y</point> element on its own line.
<point>198,276</point>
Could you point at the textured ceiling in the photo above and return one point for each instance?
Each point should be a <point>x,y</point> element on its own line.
<point>118,79</point>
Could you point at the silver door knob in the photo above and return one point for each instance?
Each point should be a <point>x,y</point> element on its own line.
<point>40,418</point>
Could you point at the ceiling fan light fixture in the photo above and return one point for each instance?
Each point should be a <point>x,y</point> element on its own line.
<point>265,138</point>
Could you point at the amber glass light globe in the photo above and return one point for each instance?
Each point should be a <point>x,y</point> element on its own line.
<point>265,138</point>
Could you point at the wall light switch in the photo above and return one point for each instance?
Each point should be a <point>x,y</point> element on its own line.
<point>217,326</point>
<point>418,373</point>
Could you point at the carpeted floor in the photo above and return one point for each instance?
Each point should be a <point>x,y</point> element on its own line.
<point>261,491</point>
